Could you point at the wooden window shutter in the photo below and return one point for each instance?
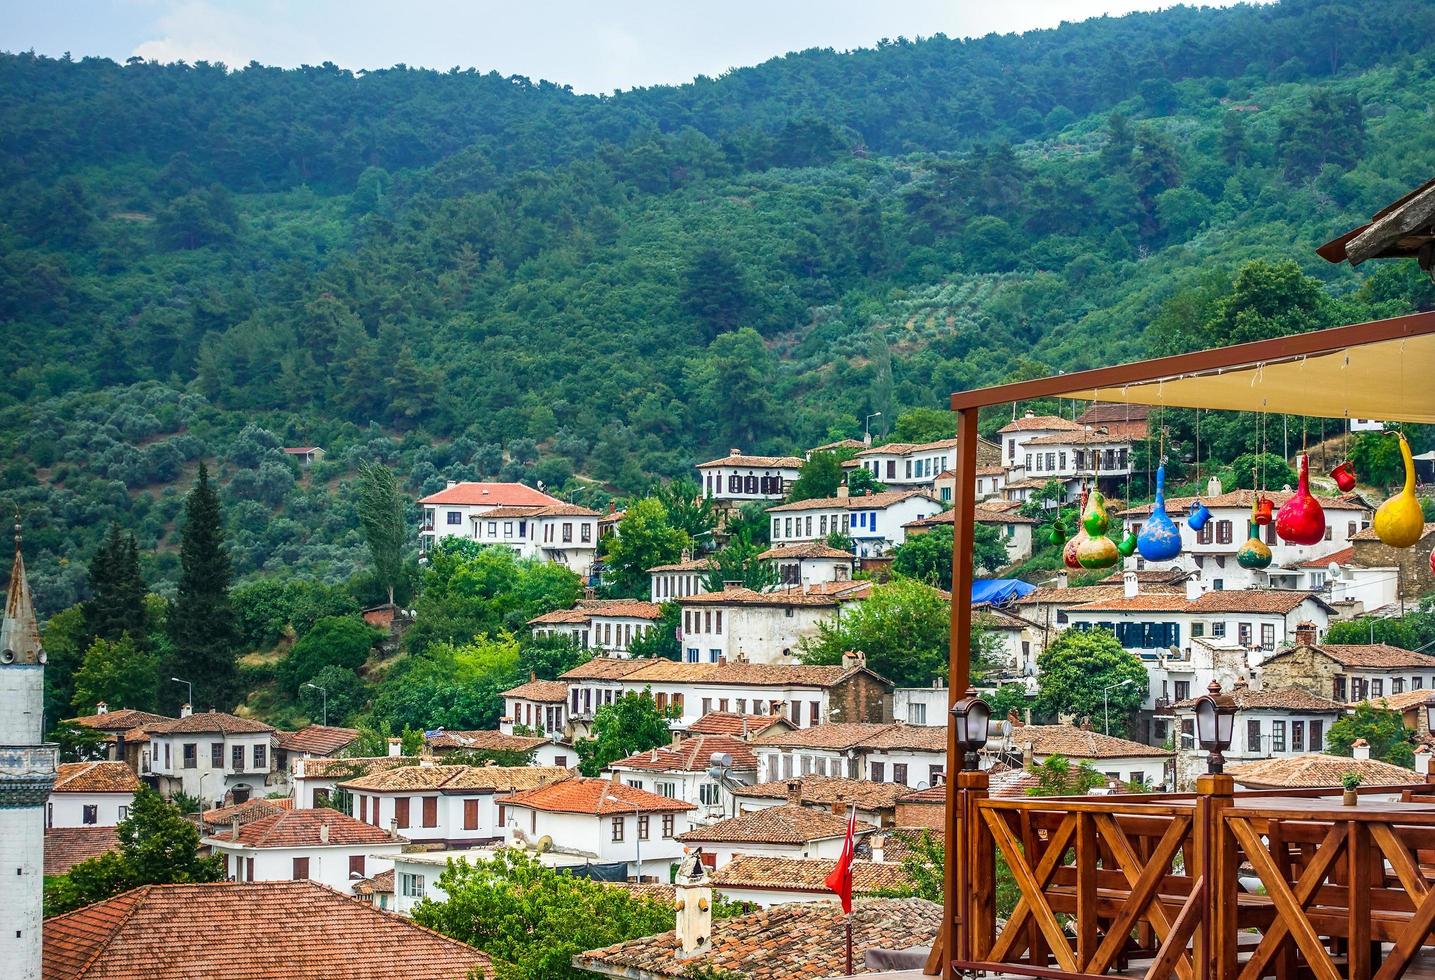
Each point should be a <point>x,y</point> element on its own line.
<point>301,869</point>
<point>430,811</point>
<point>470,814</point>
<point>401,811</point>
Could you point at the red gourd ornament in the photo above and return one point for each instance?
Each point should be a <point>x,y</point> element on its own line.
<point>1068,553</point>
<point>1301,519</point>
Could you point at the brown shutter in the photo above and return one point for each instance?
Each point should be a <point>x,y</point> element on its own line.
<point>470,814</point>
<point>301,869</point>
<point>401,811</point>
<point>430,811</point>
<point>356,866</point>
<point>363,808</point>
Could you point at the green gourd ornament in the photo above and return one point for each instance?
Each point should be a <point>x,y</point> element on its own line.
<point>1254,553</point>
<point>1096,552</point>
<point>1094,518</point>
<point>1126,547</point>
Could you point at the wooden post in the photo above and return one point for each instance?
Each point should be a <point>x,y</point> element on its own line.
<point>1358,880</point>
<point>958,677</point>
<point>981,869</point>
<point>1087,856</point>
<point>1215,941</point>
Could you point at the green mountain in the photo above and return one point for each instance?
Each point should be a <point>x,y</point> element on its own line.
<point>470,276</point>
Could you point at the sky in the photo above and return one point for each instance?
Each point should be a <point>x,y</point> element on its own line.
<point>595,47</point>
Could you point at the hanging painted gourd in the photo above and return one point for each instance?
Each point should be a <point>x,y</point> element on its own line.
<point>1301,520</point>
<point>1344,476</point>
<point>1097,551</point>
<point>1254,553</point>
<point>1159,540</point>
<point>1068,552</point>
<point>1094,518</point>
<point>1126,547</point>
<point>1432,563</point>
<point>1399,522</point>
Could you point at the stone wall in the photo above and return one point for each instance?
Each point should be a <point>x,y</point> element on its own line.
<point>1305,668</point>
<point>861,697</point>
<point>1414,563</point>
<point>932,815</point>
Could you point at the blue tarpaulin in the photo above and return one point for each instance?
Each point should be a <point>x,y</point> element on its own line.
<point>999,591</point>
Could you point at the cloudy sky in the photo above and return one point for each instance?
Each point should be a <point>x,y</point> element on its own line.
<point>595,47</point>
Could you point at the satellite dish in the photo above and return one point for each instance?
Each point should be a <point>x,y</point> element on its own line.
<point>721,760</point>
<point>1334,569</point>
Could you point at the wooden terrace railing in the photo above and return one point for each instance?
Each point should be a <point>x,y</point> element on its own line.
<point>1215,885</point>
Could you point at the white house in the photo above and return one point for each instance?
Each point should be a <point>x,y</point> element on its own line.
<point>680,771</point>
<point>904,464</point>
<point>1075,456</point>
<point>873,521</point>
<point>1211,552</point>
<point>539,706</point>
<point>737,478</point>
<point>1115,758</point>
<point>990,481</point>
<point>685,577</point>
<point>740,625</point>
<point>449,805</point>
<point>91,794</point>
<point>213,756</point>
<point>809,563</point>
<point>320,845</point>
<point>1014,529</point>
<point>1270,724</point>
<point>123,731</point>
<point>787,831</point>
<point>805,694</point>
<point>908,755</point>
<point>1018,432</point>
<point>310,742</point>
<point>456,510</point>
<point>609,625</point>
<point>542,750</point>
<point>315,781</point>
<point>609,820</point>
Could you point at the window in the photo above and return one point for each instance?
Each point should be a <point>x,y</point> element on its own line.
<point>216,755</point>
<point>742,706</point>
<point>90,814</point>
<point>1377,688</point>
<point>124,813</point>
<point>1206,534</point>
<point>707,703</point>
<point>1317,736</point>
<point>642,826</point>
<point>261,753</point>
<point>618,829</point>
<point>401,812</point>
<point>1338,688</point>
<point>917,714</point>
<point>363,808</point>
<point>301,869</point>
<point>714,655</point>
<point>1328,533</point>
<point>1268,636</point>
<point>1397,685</point>
<point>1243,634</point>
<point>1198,629</point>
<point>356,866</point>
<point>814,712</point>
<point>1253,736</point>
<point>470,814</point>
<point>166,755</point>
<point>455,517</point>
<point>899,773</point>
<point>1183,690</point>
<point>190,750</point>
<point>709,794</point>
<point>879,772</point>
<point>667,826</point>
<point>935,774</point>
<point>1218,629</point>
<point>493,529</point>
<point>670,790</point>
<point>568,531</point>
<point>717,622</point>
<point>585,532</point>
<point>1297,736</point>
<point>1061,457</point>
<point>411,886</point>
<point>1223,532</point>
<point>1028,460</point>
<point>430,811</point>
<point>1278,736</point>
<point>236,754</point>
<point>1417,683</point>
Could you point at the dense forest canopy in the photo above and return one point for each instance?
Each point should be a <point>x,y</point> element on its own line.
<point>470,276</point>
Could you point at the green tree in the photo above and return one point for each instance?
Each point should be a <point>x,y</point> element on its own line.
<point>118,672</point>
<point>202,621</point>
<point>1009,698</point>
<point>1377,459</point>
<point>924,425</point>
<point>715,291</point>
<point>820,476</point>
<point>1267,299</point>
<point>686,507</point>
<point>335,641</point>
<point>381,514</point>
<point>1390,741</point>
<point>1256,471</point>
<point>738,562</point>
<point>546,657</point>
<point>629,725</point>
<point>645,538</point>
<point>116,606</point>
<point>532,919</point>
<point>65,639</point>
<point>927,557</point>
<point>1082,663</point>
<point>450,686</point>
<point>343,696</point>
<point>662,639</point>
<point>157,846</point>
<point>1058,777</point>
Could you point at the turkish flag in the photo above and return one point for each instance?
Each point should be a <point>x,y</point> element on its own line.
<point>840,880</point>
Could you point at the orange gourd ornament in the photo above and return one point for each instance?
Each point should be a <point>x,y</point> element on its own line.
<point>1399,522</point>
<point>1301,520</point>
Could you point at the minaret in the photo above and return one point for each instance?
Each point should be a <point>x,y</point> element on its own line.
<point>27,771</point>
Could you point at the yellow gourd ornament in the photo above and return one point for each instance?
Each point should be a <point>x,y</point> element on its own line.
<point>1399,522</point>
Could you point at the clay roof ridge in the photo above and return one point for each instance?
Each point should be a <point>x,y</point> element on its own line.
<point>140,893</point>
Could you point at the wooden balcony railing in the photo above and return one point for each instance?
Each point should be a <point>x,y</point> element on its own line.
<point>1214,885</point>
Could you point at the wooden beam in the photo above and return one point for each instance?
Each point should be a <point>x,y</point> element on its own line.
<point>1289,910</point>
<point>1200,362</point>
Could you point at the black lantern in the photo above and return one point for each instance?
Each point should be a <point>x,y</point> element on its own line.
<point>1215,719</point>
<point>971,719</point>
<point>1430,711</point>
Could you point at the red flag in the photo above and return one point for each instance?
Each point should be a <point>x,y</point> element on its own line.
<point>840,880</point>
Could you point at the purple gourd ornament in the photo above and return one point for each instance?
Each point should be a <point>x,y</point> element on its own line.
<point>1160,539</point>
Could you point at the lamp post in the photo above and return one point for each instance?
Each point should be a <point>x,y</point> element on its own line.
<point>1106,702</point>
<point>1215,719</point>
<point>188,691</point>
<point>637,837</point>
<point>867,427</point>
<point>325,695</point>
<point>971,720</point>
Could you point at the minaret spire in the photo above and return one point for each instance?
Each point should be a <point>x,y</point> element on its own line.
<point>20,633</point>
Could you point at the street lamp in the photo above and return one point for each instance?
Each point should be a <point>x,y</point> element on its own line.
<point>1430,711</point>
<point>188,691</point>
<point>325,695</point>
<point>971,720</point>
<point>867,426</point>
<point>1106,703</point>
<point>1215,719</point>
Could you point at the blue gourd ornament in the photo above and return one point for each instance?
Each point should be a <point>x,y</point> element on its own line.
<point>1160,539</point>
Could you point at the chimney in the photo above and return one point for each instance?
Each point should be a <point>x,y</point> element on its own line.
<point>878,843</point>
<point>734,452</point>
<point>1305,634</point>
<point>677,740</point>
<point>532,676</point>
<point>842,492</point>
<point>852,659</point>
<point>839,809</point>
<point>396,747</point>
<point>1360,749</point>
<point>1422,760</point>
<point>1213,486</point>
<point>1063,579</point>
<point>323,833</point>
<point>185,710</point>
<point>794,791</point>
<point>102,708</point>
<point>867,438</point>
<point>1130,584</point>
<point>393,828</point>
<point>617,782</point>
<point>1193,588</point>
<point>693,896</point>
<point>1028,755</point>
<point>119,755</point>
<point>450,484</point>
<point>234,828</point>
<point>1240,685</point>
<point>1029,414</point>
<point>722,660</point>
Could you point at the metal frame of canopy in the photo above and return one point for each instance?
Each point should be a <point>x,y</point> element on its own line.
<point>1393,379</point>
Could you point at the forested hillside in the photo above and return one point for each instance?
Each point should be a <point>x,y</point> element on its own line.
<point>470,276</point>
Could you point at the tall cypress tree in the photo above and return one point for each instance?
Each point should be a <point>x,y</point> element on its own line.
<point>202,621</point>
<point>117,590</point>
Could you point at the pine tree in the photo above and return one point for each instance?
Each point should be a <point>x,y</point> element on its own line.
<point>117,591</point>
<point>202,621</point>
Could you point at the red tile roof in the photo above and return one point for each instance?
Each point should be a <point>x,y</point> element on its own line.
<point>546,691</point>
<point>66,847</point>
<point>731,723</point>
<point>1027,423</point>
<point>1281,698</point>
<point>457,779</point>
<point>1319,770</point>
<point>808,875</point>
<point>606,669</point>
<point>561,616</point>
<point>870,501</point>
<point>246,812</point>
<point>826,790</point>
<point>690,565</point>
<point>764,462</point>
<point>493,494</point>
<point>302,828</point>
<point>480,741</point>
<point>837,736</point>
<point>1078,743</point>
<point>1243,499</point>
<point>1368,533</point>
<point>1276,601</point>
<point>1341,557</point>
<point>824,594</point>
<point>809,549</point>
<point>692,755</point>
<point>594,796</point>
<point>205,722</point>
<point>122,720</point>
<point>786,824</point>
<point>354,766</point>
<point>1102,412</point>
<point>316,739</point>
<point>621,608</point>
<point>783,942</point>
<point>95,777</point>
<point>1374,655</point>
<point>295,930</point>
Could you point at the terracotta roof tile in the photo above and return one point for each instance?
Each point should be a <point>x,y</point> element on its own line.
<point>1374,655</point>
<point>354,767</point>
<point>764,462</point>
<point>380,884</point>
<point>1078,743</point>
<point>167,932</point>
<point>1029,422</point>
<point>204,722</point>
<point>908,448</point>
<point>1281,601</point>
<point>302,828</point>
<point>786,824</point>
<point>245,812</point>
<point>1341,557</point>
<point>1403,701</point>
<point>982,514</point>
<point>480,741</point>
<point>621,609</point>
<point>808,549</point>
<point>1368,533</point>
<point>691,565</point>
<point>454,779</point>
<point>671,671</point>
<point>561,616</point>
<point>595,796</point>
<point>495,494</point>
<point>1100,412</point>
<point>547,691</point>
<point>825,791</point>
<point>95,777</point>
<point>122,720</point>
<point>826,594</point>
<point>1319,770</point>
<point>838,736</point>
<point>839,444</point>
<point>66,847</point>
<point>1282,698</point>
<point>692,755</point>
<point>316,739</point>
<point>605,669</point>
<point>801,874</point>
<point>783,942</point>
<point>731,723</point>
<point>871,501</point>
<point>645,889</point>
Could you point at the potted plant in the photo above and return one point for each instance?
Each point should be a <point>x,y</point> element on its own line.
<point>1350,782</point>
